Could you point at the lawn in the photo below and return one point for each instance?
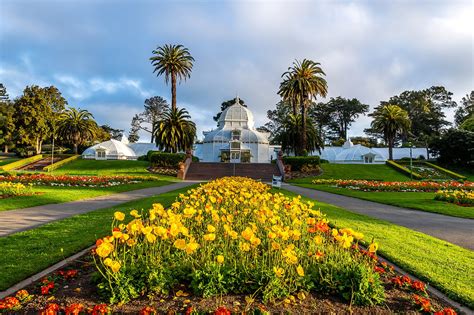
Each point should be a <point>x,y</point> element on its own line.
<point>412,200</point>
<point>7,160</point>
<point>424,256</point>
<point>356,171</point>
<point>42,247</point>
<point>53,194</point>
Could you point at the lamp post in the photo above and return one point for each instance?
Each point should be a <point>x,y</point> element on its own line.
<point>411,162</point>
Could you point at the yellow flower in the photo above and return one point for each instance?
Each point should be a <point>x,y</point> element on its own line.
<point>131,242</point>
<point>104,249</point>
<point>234,235</point>
<point>191,247</point>
<point>119,216</point>
<point>245,247</point>
<point>220,259</point>
<point>271,235</point>
<point>279,272</point>
<point>373,247</point>
<point>247,233</point>
<point>209,237</point>
<point>134,213</point>
<point>115,266</point>
<point>108,262</point>
<point>151,238</point>
<point>211,228</point>
<point>300,271</point>
<point>180,244</point>
<point>147,230</point>
<point>275,245</point>
<point>318,239</point>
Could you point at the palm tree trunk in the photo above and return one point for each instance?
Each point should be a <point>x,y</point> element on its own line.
<point>304,136</point>
<point>173,90</point>
<point>390,149</point>
<point>75,147</point>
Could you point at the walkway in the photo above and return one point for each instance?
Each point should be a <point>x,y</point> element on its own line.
<point>458,231</point>
<point>14,221</point>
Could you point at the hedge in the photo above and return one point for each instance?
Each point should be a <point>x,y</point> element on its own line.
<point>165,159</point>
<point>20,163</point>
<point>60,163</point>
<point>403,169</point>
<point>446,171</point>
<point>297,162</point>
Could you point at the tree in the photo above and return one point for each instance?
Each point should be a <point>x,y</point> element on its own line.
<point>288,133</point>
<point>7,124</point>
<point>115,134</point>
<point>227,104</point>
<point>155,107</point>
<point>173,61</point>
<point>77,127</point>
<point>277,121</point>
<point>468,124</point>
<point>344,112</point>
<point>454,147</point>
<point>465,110</point>
<point>390,120</point>
<point>36,111</point>
<point>322,116</point>
<point>175,131</point>
<point>302,83</point>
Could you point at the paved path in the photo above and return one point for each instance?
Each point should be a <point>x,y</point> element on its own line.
<point>458,231</point>
<point>13,221</point>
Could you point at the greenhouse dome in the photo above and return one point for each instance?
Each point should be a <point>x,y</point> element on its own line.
<point>109,150</point>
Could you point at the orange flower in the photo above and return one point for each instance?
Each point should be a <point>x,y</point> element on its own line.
<point>74,309</point>
<point>147,310</point>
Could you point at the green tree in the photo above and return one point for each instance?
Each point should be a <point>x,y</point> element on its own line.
<point>322,115</point>
<point>344,112</point>
<point>468,124</point>
<point>175,62</point>
<point>301,84</point>
<point>36,112</point>
<point>454,147</point>
<point>175,131</point>
<point>77,127</point>
<point>227,104</point>
<point>114,133</point>
<point>288,133</point>
<point>7,124</point>
<point>465,109</point>
<point>390,120</point>
<point>155,107</point>
<point>277,119</point>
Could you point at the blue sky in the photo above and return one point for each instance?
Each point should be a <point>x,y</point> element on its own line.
<point>96,52</point>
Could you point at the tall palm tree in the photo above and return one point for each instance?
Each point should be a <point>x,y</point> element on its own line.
<point>173,61</point>
<point>175,132</point>
<point>390,120</point>
<point>288,134</point>
<point>77,127</point>
<point>301,84</point>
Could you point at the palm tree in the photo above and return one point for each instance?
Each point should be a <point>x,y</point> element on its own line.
<point>77,127</point>
<point>173,61</point>
<point>302,83</point>
<point>288,134</point>
<point>390,120</point>
<point>175,132</point>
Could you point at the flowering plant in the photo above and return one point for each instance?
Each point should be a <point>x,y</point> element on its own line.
<point>459,196</point>
<point>8,189</point>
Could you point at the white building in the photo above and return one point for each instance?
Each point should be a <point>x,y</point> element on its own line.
<point>235,140</point>
<point>117,150</point>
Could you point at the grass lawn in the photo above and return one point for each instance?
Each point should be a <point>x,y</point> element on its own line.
<point>356,171</point>
<point>26,253</point>
<point>441,264</point>
<point>7,160</point>
<point>412,200</point>
<point>49,195</point>
<point>108,167</point>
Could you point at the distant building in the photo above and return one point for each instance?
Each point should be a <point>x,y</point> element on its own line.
<point>118,150</point>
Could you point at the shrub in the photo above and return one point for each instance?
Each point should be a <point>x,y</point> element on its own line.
<point>164,159</point>
<point>232,235</point>
<point>20,163</point>
<point>9,189</point>
<point>403,169</point>
<point>58,164</point>
<point>446,171</point>
<point>297,162</point>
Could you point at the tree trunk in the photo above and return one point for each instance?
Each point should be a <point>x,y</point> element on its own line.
<point>304,136</point>
<point>6,148</point>
<point>173,90</point>
<point>38,146</point>
<point>390,149</point>
<point>75,148</point>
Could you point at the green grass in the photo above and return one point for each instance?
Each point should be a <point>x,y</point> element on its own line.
<point>441,264</point>
<point>48,194</point>
<point>5,161</point>
<point>356,171</point>
<point>26,253</point>
<point>465,171</point>
<point>423,201</point>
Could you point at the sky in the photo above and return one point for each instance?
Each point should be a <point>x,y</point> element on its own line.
<point>97,52</point>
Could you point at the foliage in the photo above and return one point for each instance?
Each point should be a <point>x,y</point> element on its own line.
<point>454,147</point>
<point>164,159</point>
<point>60,163</point>
<point>218,238</point>
<point>403,169</point>
<point>227,104</point>
<point>7,125</point>
<point>77,127</point>
<point>175,132</point>
<point>173,61</point>
<point>468,124</point>
<point>460,196</point>
<point>288,136</point>
<point>8,189</point>
<point>302,83</point>
<point>20,163</point>
<point>465,109</point>
<point>155,108</point>
<point>298,162</point>
<point>35,113</point>
<point>113,133</point>
<point>277,120</point>
<point>343,112</point>
<point>390,120</point>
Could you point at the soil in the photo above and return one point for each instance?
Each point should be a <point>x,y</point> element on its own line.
<point>80,289</point>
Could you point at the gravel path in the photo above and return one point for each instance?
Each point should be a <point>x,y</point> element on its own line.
<point>13,221</point>
<point>458,231</point>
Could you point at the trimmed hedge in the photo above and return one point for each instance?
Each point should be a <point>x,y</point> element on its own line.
<point>446,171</point>
<point>164,159</point>
<point>60,163</point>
<point>403,169</point>
<point>297,162</point>
<point>20,163</point>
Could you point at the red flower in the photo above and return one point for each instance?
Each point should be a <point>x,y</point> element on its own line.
<point>147,310</point>
<point>446,311</point>
<point>51,309</point>
<point>189,311</point>
<point>222,311</point>
<point>379,270</point>
<point>419,286</point>
<point>423,302</point>
<point>74,309</point>
<point>100,309</point>
<point>397,281</point>
<point>406,279</point>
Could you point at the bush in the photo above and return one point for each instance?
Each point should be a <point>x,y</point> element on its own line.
<point>403,169</point>
<point>164,159</point>
<point>233,236</point>
<point>445,171</point>
<point>58,164</point>
<point>297,162</point>
<point>20,163</point>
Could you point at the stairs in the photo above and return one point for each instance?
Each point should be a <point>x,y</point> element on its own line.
<point>207,171</point>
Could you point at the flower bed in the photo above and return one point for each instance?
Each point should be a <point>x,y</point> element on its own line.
<point>418,186</point>
<point>459,197</point>
<point>72,180</point>
<point>228,246</point>
<point>9,189</point>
